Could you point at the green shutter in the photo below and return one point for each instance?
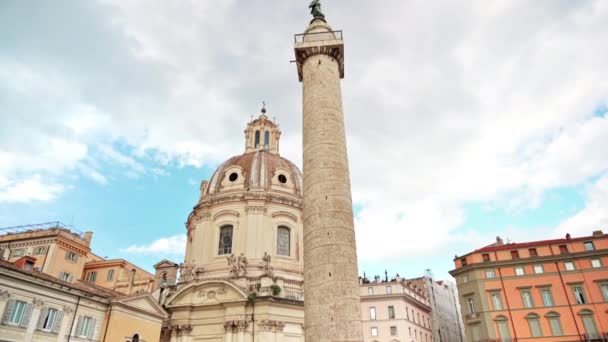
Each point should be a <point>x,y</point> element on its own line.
<point>57,324</point>
<point>8,311</point>
<point>27,313</point>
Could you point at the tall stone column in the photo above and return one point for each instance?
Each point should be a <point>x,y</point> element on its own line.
<point>331,288</point>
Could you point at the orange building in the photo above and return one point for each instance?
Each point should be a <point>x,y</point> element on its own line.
<point>551,290</point>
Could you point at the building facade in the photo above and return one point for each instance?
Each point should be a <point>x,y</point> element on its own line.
<point>446,318</point>
<point>64,253</point>
<point>394,310</point>
<point>242,276</point>
<point>551,290</point>
<point>38,307</point>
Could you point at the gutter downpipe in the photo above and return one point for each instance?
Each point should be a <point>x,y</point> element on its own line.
<point>568,300</point>
<point>105,332</point>
<point>73,319</point>
<point>502,284</point>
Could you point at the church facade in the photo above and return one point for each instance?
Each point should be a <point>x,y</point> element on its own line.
<point>242,274</point>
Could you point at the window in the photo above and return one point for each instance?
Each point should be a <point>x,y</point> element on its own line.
<point>17,313</point>
<point>490,274</point>
<point>569,265</point>
<point>40,250</point>
<point>533,252</point>
<point>71,256</point>
<point>471,305</point>
<point>92,276</point>
<point>282,179</point>
<point>283,242</point>
<point>595,263</point>
<point>18,253</point>
<point>48,319</point>
<point>372,313</point>
<point>370,291</point>
<point>579,295</point>
<point>604,289</point>
<point>463,261</point>
<point>393,331</point>
<point>85,327</point>
<point>545,293</point>
<point>563,249</point>
<point>589,324</point>
<point>589,246</point>
<point>526,298</point>
<point>257,139</point>
<point>503,328</point>
<point>225,243</point>
<point>465,278</point>
<point>486,257</point>
<point>514,255</point>
<point>519,270</point>
<point>65,276</point>
<point>135,338</point>
<point>374,331</point>
<point>391,312</point>
<point>28,265</point>
<point>538,269</point>
<point>534,323</point>
<point>233,177</point>
<point>110,275</point>
<point>266,139</point>
<point>389,290</point>
<point>554,324</point>
<point>496,301</point>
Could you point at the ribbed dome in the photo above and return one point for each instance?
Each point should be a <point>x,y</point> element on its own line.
<point>256,170</point>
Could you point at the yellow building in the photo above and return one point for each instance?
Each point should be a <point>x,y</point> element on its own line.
<point>38,307</point>
<point>63,252</point>
<point>242,276</point>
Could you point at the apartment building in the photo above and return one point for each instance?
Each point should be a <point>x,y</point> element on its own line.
<point>394,310</point>
<point>550,290</point>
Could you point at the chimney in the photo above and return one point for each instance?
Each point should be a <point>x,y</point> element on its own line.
<point>88,236</point>
<point>568,237</point>
<point>499,241</point>
<point>598,233</point>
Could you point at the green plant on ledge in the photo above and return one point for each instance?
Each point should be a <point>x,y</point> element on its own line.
<point>251,298</point>
<point>276,289</point>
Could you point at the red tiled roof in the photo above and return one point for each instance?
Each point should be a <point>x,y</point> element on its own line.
<point>491,248</point>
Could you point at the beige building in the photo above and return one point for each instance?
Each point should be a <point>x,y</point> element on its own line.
<point>38,307</point>
<point>394,310</point>
<point>242,272</point>
<point>63,252</point>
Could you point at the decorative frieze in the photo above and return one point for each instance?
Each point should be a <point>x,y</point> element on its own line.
<point>190,272</point>
<point>4,295</point>
<point>271,325</point>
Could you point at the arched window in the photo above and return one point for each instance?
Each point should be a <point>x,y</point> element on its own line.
<point>257,139</point>
<point>225,243</point>
<point>135,338</point>
<point>554,323</point>
<point>266,139</point>
<point>589,324</point>
<point>502,324</point>
<point>283,241</point>
<point>534,323</point>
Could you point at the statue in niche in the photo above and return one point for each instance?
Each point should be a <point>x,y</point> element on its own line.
<point>315,9</point>
<point>233,265</point>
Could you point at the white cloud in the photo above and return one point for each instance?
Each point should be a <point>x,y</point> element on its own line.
<point>594,216</point>
<point>173,245</point>
<point>446,103</point>
<point>32,189</point>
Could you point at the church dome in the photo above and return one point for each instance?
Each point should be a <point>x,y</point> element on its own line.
<point>257,170</point>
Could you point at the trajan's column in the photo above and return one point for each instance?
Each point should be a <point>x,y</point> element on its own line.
<point>332,310</point>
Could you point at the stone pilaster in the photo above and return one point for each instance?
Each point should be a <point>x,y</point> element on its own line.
<point>29,332</point>
<point>331,294</point>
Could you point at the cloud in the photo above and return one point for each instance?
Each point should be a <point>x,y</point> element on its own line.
<point>594,216</point>
<point>173,245</point>
<point>446,103</point>
<point>32,189</point>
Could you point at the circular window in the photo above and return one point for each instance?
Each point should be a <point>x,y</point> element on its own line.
<point>233,176</point>
<point>282,179</point>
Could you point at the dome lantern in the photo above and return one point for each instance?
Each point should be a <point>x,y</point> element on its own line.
<point>262,134</point>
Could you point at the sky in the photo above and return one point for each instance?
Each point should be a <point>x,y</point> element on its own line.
<point>464,120</point>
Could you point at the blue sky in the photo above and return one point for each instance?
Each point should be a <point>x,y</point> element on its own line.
<point>464,121</point>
